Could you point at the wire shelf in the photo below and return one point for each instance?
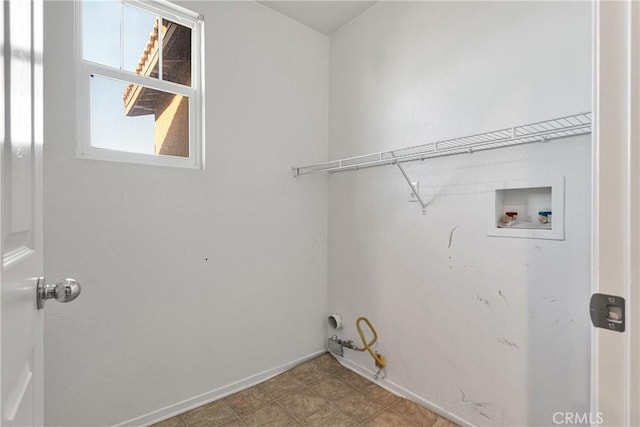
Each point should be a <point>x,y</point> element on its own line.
<point>562,127</point>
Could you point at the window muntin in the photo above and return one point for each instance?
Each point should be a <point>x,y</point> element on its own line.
<point>132,101</point>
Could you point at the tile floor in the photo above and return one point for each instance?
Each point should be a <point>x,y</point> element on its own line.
<point>321,393</point>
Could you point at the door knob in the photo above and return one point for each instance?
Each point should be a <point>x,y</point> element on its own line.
<point>63,291</point>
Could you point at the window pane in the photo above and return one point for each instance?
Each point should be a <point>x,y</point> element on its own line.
<point>133,118</point>
<point>176,53</point>
<point>140,41</point>
<point>101,32</point>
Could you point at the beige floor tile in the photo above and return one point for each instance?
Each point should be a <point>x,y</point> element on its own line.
<point>213,414</point>
<point>248,400</point>
<point>303,403</point>
<point>309,374</point>
<point>309,365</point>
<point>304,394</point>
<point>358,407</point>
<point>443,422</point>
<point>388,418</point>
<point>415,413</point>
<point>268,415</point>
<point>282,384</point>
<point>332,363</point>
<point>235,423</point>
<point>329,416</point>
<point>332,388</point>
<point>171,422</point>
<point>356,380</point>
<point>324,359</point>
<point>380,395</point>
<point>329,364</point>
<point>336,369</point>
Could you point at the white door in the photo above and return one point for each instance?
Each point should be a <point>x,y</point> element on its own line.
<point>22,288</point>
<point>616,215</point>
<point>21,325</point>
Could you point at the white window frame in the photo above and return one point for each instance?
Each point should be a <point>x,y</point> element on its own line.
<point>86,69</point>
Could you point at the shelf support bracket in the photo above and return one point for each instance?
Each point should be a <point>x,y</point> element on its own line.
<point>414,190</point>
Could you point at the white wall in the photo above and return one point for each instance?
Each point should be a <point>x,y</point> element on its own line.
<point>489,330</point>
<point>192,279</point>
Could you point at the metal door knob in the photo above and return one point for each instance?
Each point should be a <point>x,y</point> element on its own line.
<point>63,291</point>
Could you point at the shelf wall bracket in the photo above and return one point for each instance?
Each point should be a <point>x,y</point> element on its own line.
<point>414,190</point>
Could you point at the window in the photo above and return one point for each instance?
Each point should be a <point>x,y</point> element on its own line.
<point>139,82</point>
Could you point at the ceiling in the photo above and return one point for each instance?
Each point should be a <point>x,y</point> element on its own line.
<point>323,16</point>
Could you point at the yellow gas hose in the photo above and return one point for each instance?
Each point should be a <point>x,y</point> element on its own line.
<point>380,362</point>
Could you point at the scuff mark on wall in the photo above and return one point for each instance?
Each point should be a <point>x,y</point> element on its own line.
<point>509,343</point>
<point>536,248</point>
<point>483,300</point>
<point>451,236</point>
<point>482,408</point>
<point>504,298</point>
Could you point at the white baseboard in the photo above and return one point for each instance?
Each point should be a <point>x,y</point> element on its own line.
<point>219,393</point>
<point>400,391</point>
